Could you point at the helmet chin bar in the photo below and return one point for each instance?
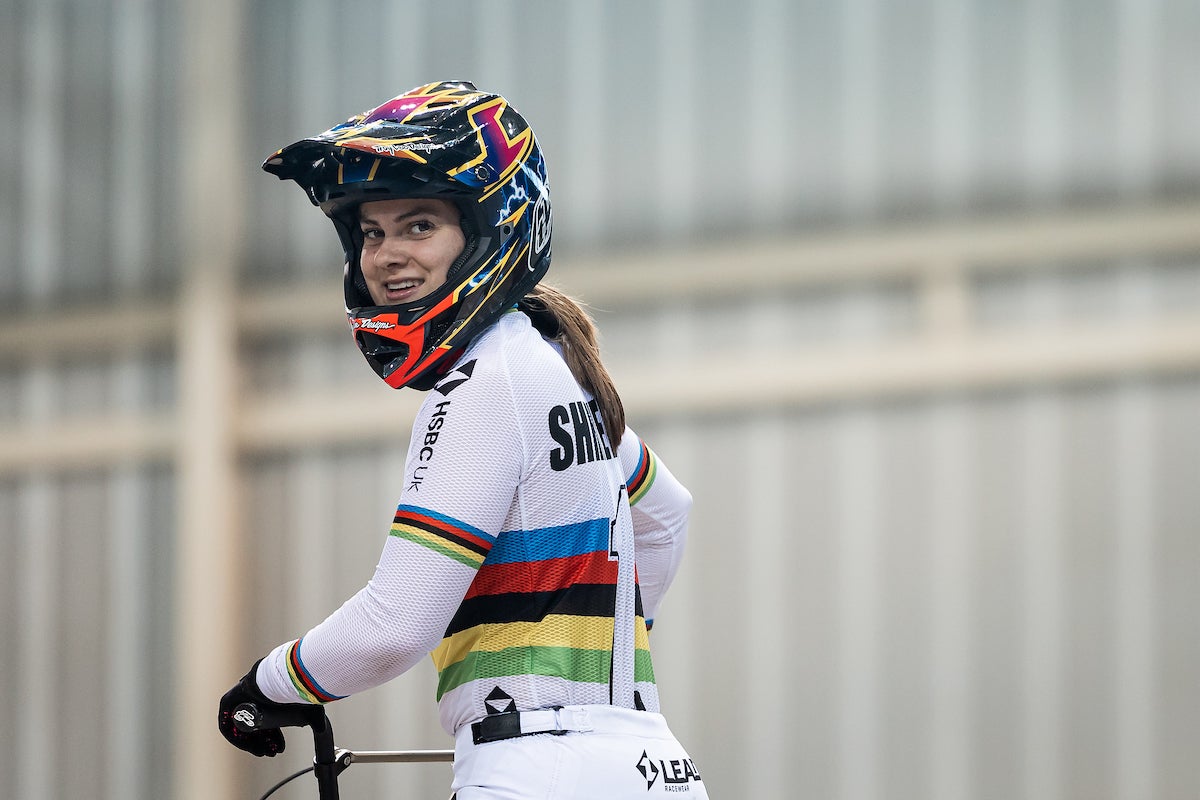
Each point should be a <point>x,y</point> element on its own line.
<point>421,379</point>
<point>428,377</point>
<point>381,352</point>
<point>387,357</point>
<point>402,349</point>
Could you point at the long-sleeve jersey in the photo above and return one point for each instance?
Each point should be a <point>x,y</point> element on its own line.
<point>511,557</point>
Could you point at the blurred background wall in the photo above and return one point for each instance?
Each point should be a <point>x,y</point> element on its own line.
<point>907,293</point>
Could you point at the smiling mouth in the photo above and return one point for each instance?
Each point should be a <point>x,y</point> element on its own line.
<point>401,289</point>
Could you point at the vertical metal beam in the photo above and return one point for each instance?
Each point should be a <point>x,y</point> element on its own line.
<point>766,740</point>
<point>1134,609</point>
<point>208,608</point>
<point>954,82</point>
<point>1044,95</point>
<point>38,613</point>
<point>768,74</point>
<point>860,77</point>
<point>42,99</point>
<point>1135,612</point>
<point>945,301</point>
<point>132,78</point>
<point>584,125</point>
<point>677,121</point>
<point>1042,624</point>
<point>858,602</point>
<point>128,620</point>
<point>1139,52</point>
<point>950,616</point>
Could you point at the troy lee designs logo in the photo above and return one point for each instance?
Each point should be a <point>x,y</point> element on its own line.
<point>392,149</point>
<point>676,774</point>
<point>372,325</point>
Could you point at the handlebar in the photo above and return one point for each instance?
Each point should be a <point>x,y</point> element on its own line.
<point>328,762</point>
<point>249,718</point>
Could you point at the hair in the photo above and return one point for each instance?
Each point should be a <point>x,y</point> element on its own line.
<point>563,319</point>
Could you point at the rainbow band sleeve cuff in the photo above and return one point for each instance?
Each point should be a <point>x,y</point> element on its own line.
<point>304,682</point>
<point>643,474</point>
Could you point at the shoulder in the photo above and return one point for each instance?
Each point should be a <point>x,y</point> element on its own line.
<point>509,360</point>
<point>513,352</point>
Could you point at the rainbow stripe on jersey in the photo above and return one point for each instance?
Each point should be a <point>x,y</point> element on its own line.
<point>541,605</point>
<point>442,534</point>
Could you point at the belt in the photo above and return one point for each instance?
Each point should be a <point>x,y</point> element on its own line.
<point>511,724</point>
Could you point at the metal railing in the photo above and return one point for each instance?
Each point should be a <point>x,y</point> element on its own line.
<point>946,348</point>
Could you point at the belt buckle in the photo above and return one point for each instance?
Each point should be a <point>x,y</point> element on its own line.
<point>559,730</point>
<point>496,727</point>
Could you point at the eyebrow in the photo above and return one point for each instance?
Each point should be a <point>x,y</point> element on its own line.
<point>423,208</point>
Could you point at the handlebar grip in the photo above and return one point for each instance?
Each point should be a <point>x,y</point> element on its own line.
<point>248,717</point>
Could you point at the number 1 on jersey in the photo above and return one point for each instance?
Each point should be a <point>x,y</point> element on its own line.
<point>613,553</point>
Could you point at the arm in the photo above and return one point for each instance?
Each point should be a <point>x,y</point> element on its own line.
<point>660,505</point>
<point>464,462</point>
<point>384,629</point>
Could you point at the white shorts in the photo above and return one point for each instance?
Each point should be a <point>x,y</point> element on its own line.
<point>609,753</point>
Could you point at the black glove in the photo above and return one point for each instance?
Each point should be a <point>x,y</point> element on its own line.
<point>262,742</point>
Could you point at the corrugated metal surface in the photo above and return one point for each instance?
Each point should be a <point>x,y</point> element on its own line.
<point>953,597</point>
<point>87,618</point>
<point>945,532</point>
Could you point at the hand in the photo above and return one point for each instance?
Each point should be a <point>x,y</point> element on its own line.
<point>262,742</point>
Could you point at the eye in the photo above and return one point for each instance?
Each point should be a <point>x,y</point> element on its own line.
<point>371,233</point>
<point>421,226</point>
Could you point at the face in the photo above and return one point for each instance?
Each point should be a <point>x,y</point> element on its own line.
<point>408,247</point>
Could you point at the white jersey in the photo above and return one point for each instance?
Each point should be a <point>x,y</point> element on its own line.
<point>512,553</point>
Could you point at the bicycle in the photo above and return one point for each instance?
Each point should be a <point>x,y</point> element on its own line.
<point>329,761</point>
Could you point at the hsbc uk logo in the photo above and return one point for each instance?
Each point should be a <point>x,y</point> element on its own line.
<point>676,774</point>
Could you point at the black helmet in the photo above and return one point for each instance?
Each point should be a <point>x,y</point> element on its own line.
<point>443,140</point>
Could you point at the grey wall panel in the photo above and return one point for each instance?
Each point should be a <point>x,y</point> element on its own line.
<point>695,122</point>
<point>80,648</point>
<point>933,596</point>
<point>11,665</point>
<point>951,600</point>
<point>1178,119</point>
<point>86,617</point>
<point>1177,649</point>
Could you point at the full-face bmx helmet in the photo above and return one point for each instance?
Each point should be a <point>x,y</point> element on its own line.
<point>444,140</point>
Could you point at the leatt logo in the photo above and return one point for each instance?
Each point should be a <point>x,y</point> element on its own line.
<point>676,774</point>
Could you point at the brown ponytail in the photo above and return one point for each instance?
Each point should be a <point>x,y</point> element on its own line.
<point>563,320</point>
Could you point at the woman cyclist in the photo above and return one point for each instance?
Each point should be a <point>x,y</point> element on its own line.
<point>535,533</point>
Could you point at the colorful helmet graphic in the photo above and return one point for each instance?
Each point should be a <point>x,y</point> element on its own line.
<point>444,140</point>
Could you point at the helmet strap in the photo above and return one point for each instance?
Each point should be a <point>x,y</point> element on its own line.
<point>469,247</point>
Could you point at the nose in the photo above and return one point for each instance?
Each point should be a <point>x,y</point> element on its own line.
<point>392,251</point>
